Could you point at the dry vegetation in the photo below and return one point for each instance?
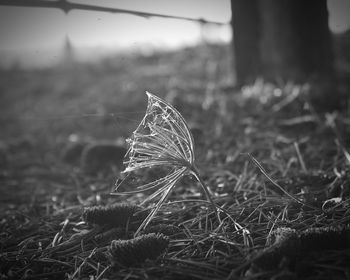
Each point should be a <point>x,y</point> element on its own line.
<point>278,169</point>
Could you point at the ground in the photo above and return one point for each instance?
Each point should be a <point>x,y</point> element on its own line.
<point>277,167</point>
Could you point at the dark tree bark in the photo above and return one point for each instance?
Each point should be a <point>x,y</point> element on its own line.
<point>288,39</point>
<point>246,39</point>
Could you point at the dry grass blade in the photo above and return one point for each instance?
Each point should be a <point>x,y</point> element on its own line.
<point>164,140</point>
<point>262,170</point>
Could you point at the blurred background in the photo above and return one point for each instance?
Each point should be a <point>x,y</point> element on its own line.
<point>37,37</point>
<point>73,72</point>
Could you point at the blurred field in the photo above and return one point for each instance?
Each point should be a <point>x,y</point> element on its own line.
<point>45,111</point>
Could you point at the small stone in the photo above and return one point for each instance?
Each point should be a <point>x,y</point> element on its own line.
<point>72,153</point>
<point>102,157</point>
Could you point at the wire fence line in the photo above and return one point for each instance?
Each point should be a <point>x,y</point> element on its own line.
<point>66,6</point>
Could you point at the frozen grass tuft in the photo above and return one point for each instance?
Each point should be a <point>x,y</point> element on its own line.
<point>162,139</point>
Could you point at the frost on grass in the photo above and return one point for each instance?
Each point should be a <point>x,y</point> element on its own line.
<point>162,138</point>
<point>162,142</point>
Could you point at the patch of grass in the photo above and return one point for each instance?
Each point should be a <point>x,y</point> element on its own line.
<point>303,151</point>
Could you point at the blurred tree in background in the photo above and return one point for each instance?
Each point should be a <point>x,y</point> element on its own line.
<point>287,39</point>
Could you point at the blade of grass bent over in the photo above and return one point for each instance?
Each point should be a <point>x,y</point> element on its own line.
<point>262,170</point>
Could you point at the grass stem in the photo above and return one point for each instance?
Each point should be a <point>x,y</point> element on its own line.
<point>206,190</point>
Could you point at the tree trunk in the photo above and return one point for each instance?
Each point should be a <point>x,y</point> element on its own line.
<point>246,39</point>
<point>281,39</point>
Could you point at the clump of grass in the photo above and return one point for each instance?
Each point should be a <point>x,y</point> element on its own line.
<point>137,250</point>
<point>162,139</point>
<point>116,215</point>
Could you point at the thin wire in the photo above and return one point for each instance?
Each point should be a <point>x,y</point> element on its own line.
<point>67,6</point>
<point>78,116</point>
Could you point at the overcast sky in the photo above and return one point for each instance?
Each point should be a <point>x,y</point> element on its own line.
<point>33,30</point>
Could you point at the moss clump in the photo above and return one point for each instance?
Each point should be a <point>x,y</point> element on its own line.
<point>136,251</point>
<point>286,245</point>
<point>116,215</point>
<point>325,238</point>
<point>291,246</point>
